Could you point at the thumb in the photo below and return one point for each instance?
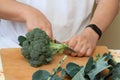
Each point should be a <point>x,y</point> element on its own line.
<point>49,33</point>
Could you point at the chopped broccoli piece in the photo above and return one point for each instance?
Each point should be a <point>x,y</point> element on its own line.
<point>38,48</point>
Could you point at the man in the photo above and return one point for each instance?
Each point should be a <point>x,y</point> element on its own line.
<point>65,19</point>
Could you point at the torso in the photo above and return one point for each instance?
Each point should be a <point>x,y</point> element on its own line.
<point>68,17</point>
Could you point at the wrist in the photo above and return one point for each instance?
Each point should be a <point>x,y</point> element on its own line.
<point>91,33</point>
<point>96,29</point>
<point>31,13</point>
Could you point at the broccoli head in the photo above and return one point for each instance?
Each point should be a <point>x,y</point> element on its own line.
<point>38,48</point>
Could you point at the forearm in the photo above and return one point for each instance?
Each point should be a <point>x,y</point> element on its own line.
<point>13,10</point>
<point>105,13</point>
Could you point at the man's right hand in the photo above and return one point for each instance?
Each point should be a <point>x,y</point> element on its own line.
<point>35,19</point>
<point>17,11</point>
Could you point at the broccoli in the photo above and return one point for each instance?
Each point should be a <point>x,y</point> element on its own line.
<point>38,48</point>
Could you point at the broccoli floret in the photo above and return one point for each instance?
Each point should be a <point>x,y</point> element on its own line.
<point>38,48</point>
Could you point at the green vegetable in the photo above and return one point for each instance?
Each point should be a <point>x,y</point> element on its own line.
<point>79,75</point>
<point>44,75</point>
<point>72,71</point>
<point>116,72</point>
<point>40,74</point>
<point>57,69</point>
<point>38,48</point>
<point>92,71</point>
<point>100,65</point>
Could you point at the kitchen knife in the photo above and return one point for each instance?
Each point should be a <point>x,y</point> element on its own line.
<point>68,48</point>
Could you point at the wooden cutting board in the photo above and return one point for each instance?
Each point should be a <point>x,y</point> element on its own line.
<point>15,67</point>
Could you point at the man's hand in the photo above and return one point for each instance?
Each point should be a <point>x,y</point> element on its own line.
<point>35,19</point>
<point>17,11</point>
<point>83,43</point>
<point>103,16</point>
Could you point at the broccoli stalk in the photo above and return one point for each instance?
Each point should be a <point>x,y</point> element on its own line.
<point>56,47</point>
<point>38,48</point>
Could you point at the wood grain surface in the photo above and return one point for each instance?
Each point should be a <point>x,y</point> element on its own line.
<point>15,66</point>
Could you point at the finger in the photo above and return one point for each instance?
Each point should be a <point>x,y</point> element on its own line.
<point>82,51</point>
<point>89,52</point>
<point>72,43</point>
<point>30,28</point>
<point>49,33</point>
<point>78,48</point>
<point>67,52</point>
<point>74,54</point>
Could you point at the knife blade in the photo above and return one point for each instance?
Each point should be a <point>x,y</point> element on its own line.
<point>68,48</point>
